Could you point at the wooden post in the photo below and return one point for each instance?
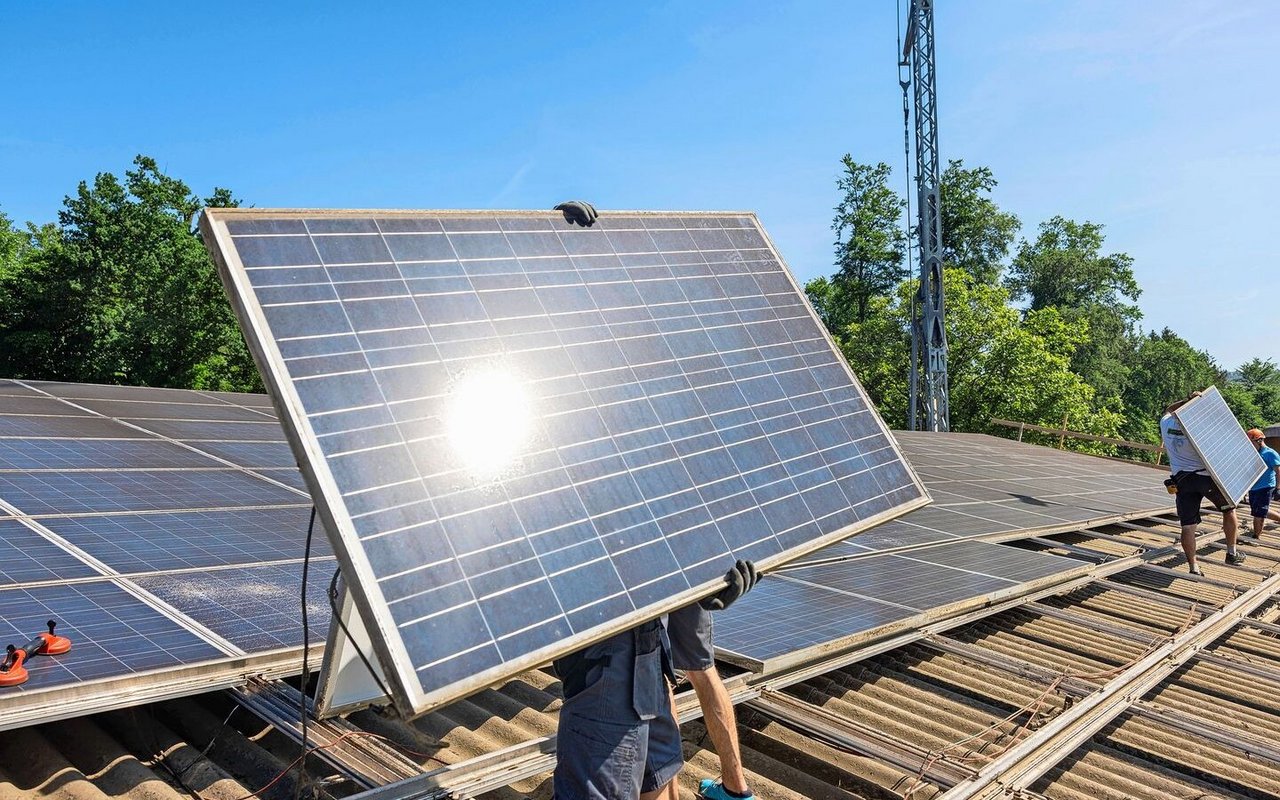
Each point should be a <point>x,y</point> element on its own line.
<point>1022,426</point>
<point>1062,439</point>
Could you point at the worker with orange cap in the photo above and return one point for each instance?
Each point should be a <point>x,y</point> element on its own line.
<point>1264,490</point>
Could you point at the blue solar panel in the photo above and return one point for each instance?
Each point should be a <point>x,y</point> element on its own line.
<point>256,608</point>
<point>37,493</point>
<point>802,613</point>
<point>113,632</point>
<point>131,543</point>
<point>983,486</point>
<point>28,557</point>
<point>526,435</point>
<point>93,504</point>
<point>1221,443</point>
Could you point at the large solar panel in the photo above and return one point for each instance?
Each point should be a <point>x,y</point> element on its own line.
<point>799,614</point>
<point>163,562</point>
<point>984,486</point>
<point>1216,435</point>
<point>525,435</point>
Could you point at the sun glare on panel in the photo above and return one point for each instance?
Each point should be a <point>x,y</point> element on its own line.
<point>488,420</point>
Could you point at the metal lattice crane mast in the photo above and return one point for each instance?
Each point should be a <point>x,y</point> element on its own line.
<point>930,407</point>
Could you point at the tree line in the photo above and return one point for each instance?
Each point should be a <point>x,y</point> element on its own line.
<point>120,289</point>
<point>1042,328</point>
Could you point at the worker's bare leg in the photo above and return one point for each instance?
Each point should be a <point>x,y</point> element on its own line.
<point>668,792</point>
<point>1230,527</point>
<point>1189,545</point>
<point>1258,522</point>
<point>717,715</point>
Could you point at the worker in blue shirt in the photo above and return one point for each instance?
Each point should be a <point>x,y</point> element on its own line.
<point>1262,492</point>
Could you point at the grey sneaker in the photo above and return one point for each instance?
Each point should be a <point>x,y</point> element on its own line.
<point>1195,571</point>
<point>1238,558</point>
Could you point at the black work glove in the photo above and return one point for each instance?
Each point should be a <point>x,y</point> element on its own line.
<point>578,212</point>
<point>741,578</point>
<point>1275,493</point>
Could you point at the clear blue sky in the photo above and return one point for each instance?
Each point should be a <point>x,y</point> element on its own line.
<point>1155,119</point>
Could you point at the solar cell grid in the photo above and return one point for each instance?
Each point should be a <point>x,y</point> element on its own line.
<point>1221,443</point>
<point>73,427</point>
<point>132,543</point>
<point>76,392</point>
<point>910,583</point>
<point>28,557</point>
<point>78,454</point>
<point>78,472</point>
<point>186,431</point>
<point>982,485</point>
<point>137,411</point>
<point>997,560</point>
<point>114,633</point>
<point>10,388</point>
<point>666,394</point>
<point>798,614</point>
<point>252,455</point>
<point>767,633</point>
<point>39,406</point>
<point>255,608</point>
<point>140,490</point>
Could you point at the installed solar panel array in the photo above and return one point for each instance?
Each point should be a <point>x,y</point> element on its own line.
<point>1222,444</point>
<point>128,538</point>
<point>984,486</point>
<point>527,435</point>
<point>827,607</point>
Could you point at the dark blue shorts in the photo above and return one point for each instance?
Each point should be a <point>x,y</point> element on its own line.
<point>617,736</point>
<point>1193,489</point>
<point>691,642</point>
<point>1260,502</point>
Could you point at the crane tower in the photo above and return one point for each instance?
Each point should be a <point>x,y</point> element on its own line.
<point>930,407</point>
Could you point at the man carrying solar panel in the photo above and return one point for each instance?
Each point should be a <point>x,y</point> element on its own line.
<point>693,653</point>
<point>618,738</point>
<point>1261,493</point>
<point>1193,484</point>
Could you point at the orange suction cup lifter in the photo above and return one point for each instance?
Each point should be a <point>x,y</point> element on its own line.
<point>54,645</point>
<point>12,672</point>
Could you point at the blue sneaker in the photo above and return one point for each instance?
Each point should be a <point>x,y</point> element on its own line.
<point>714,790</point>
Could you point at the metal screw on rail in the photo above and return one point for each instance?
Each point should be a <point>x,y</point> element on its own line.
<point>14,671</point>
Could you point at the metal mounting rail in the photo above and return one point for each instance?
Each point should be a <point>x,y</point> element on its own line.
<point>1031,758</point>
<point>363,758</point>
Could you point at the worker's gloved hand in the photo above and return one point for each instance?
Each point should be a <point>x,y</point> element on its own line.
<point>1275,493</point>
<point>741,578</point>
<point>578,212</point>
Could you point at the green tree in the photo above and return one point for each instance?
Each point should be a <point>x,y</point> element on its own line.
<point>1001,364</point>
<point>1065,268</point>
<point>1261,379</point>
<point>14,245</point>
<point>870,245</point>
<point>976,234</point>
<point>121,291</point>
<point>1164,368</point>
